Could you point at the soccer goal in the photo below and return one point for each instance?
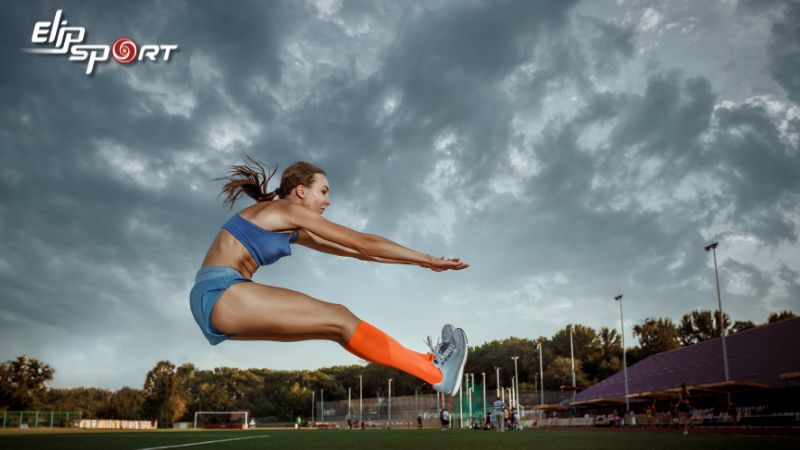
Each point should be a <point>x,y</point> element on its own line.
<point>221,419</point>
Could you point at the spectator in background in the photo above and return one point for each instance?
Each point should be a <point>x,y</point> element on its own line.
<point>497,415</point>
<point>733,412</point>
<point>419,422</point>
<point>444,417</point>
<point>650,413</point>
<point>684,408</point>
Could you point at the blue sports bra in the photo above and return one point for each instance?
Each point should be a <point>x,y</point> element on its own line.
<point>264,246</point>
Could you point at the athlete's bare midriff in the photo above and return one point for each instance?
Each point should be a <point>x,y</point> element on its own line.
<point>227,251</point>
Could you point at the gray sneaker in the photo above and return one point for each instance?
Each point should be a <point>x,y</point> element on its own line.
<point>450,356</point>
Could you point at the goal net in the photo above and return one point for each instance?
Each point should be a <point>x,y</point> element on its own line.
<point>221,419</point>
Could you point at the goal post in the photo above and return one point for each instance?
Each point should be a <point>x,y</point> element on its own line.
<point>221,419</point>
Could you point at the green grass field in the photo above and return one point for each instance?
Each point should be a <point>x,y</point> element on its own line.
<point>380,439</point>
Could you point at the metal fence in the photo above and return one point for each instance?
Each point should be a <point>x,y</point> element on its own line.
<point>41,419</point>
<point>375,411</point>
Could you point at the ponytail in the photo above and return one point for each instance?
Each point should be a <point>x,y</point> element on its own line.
<point>251,179</point>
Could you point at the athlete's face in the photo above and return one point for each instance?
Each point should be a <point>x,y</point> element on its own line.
<point>317,196</point>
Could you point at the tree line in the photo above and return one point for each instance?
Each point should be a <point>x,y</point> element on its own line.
<point>173,393</point>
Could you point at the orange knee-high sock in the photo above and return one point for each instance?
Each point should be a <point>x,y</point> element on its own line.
<point>374,345</point>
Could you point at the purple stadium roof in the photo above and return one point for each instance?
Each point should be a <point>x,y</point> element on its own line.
<point>758,355</point>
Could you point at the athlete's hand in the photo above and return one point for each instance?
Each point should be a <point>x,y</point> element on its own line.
<point>442,264</point>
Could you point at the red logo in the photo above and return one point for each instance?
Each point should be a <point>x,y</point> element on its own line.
<point>124,50</point>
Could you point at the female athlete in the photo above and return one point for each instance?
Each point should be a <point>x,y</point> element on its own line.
<point>227,304</point>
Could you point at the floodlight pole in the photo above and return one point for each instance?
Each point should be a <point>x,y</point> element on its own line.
<point>390,403</point>
<point>541,370</point>
<point>572,356</point>
<point>471,391</point>
<point>483,375</point>
<point>360,400</point>
<point>348,404</point>
<point>313,405</point>
<point>712,247</point>
<point>624,361</point>
<point>322,405</point>
<point>469,398</point>
<point>516,381</point>
<point>513,394</point>
<point>460,407</point>
<point>497,368</point>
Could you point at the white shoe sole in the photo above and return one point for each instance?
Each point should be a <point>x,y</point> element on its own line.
<point>463,363</point>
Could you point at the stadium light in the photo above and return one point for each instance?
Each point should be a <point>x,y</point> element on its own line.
<point>516,382</point>
<point>513,392</point>
<point>624,361</point>
<point>313,405</point>
<point>541,370</point>
<point>390,403</point>
<point>360,400</point>
<point>483,375</point>
<point>572,356</point>
<point>470,388</point>
<point>497,368</point>
<point>460,407</point>
<point>712,247</point>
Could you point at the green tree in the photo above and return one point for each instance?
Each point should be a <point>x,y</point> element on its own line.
<point>701,325</point>
<point>656,336</point>
<point>609,358</point>
<point>126,404</point>
<point>775,317</point>
<point>741,325</point>
<point>485,357</point>
<point>560,371</point>
<point>22,383</point>
<point>162,400</point>
<point>92,402</point>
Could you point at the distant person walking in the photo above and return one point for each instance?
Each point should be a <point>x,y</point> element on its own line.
<point>444,418</point>
<point>684,408</point>
<point>227,304</point>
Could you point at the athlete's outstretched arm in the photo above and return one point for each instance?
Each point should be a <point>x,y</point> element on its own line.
<point>312,241</point>
<point>363,243</point>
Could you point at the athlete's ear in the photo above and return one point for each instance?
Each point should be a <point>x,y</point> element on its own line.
<point>300,190</point>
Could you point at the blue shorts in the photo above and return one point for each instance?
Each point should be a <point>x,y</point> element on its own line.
<point>209,284</point>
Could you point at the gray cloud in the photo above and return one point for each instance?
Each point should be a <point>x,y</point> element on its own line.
<point>545,143</point>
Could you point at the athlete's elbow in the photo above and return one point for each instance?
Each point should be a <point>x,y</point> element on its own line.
<point>367,245</point>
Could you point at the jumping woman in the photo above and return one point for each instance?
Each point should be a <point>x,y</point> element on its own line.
<point>227,304</point>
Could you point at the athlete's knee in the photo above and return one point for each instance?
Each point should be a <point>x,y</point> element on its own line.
<point>346,323</point>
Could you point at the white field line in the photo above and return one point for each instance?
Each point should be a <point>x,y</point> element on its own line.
<point>203,443</point>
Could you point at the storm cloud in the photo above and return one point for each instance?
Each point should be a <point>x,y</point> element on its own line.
<point>568,151</point>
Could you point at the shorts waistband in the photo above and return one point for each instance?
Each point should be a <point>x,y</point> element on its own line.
<point>209,272</point>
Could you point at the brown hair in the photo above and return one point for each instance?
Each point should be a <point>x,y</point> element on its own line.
<point>251,179</point>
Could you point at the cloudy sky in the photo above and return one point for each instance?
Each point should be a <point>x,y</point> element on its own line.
<point>567,150</point>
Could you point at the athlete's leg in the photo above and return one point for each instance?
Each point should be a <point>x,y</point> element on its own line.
<point>254,311</point>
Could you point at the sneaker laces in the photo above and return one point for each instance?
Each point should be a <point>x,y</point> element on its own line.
<point>441,351</point>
